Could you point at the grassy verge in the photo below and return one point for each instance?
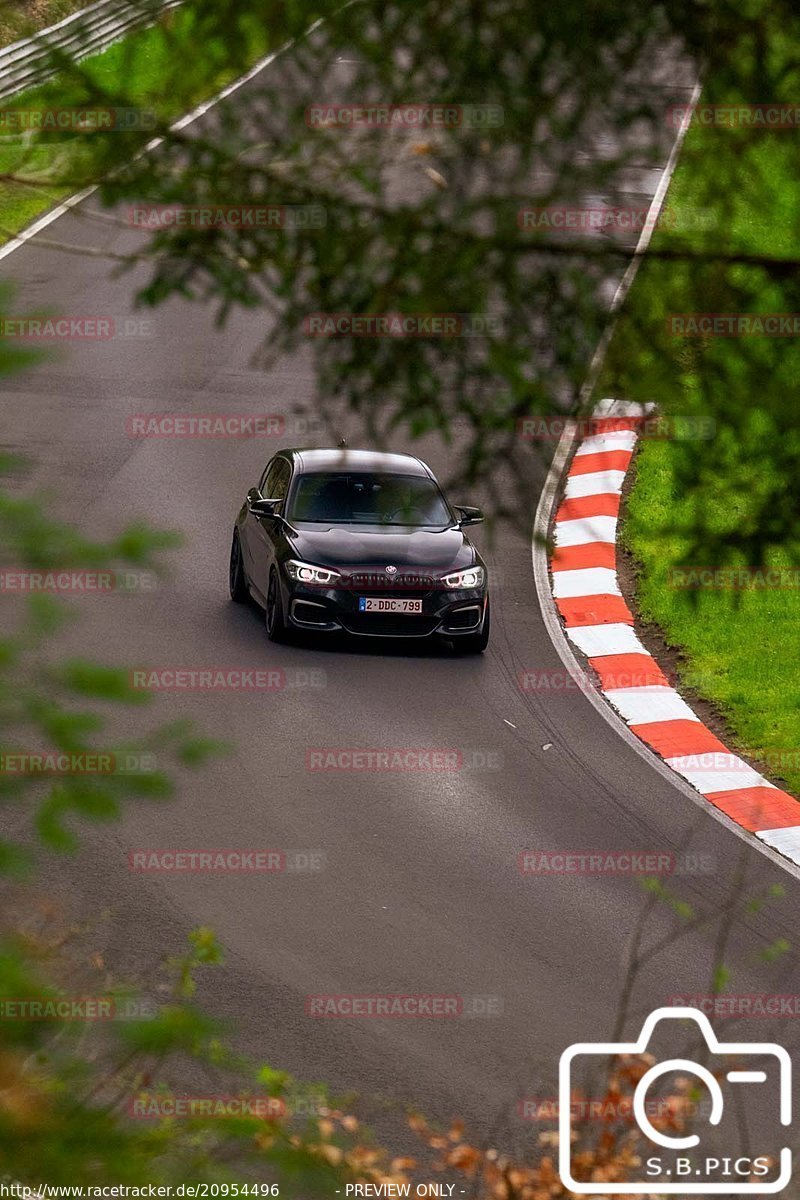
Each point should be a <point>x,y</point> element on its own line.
<point>160,70</point>
<point>730,499</point>
<point>19,20</point>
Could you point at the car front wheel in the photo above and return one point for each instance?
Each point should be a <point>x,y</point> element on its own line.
<point>237,584</point>
<point>276,624</point>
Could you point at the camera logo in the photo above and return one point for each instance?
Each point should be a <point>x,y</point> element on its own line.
<point>671,1172</point>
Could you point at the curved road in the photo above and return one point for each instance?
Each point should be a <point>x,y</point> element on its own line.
<point>420,892</point>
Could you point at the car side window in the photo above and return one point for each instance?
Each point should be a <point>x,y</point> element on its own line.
<point>275,483</point>
<point>262,483</point>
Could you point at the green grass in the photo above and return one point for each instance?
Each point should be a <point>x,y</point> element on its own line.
<point>160,68</point>
<point>742,647</point>
<point>730,499</point>
<point>20,20</point>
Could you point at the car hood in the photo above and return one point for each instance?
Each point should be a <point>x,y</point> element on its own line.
<point>362,546</point>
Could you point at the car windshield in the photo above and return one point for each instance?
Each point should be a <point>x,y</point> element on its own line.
<point>368,498</point>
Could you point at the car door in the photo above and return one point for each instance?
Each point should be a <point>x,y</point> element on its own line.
<point>264,533</point>
<point>248,532</point>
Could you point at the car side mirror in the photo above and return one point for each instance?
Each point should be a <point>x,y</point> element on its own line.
<point>260,507</point>
<point>468,514</point>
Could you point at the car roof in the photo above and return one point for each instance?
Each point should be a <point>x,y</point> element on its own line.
<point>344,459</point>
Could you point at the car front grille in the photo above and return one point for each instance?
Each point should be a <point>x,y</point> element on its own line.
<point>389,624</point>
<point>405,581</point>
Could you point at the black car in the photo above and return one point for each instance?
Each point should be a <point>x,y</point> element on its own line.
<point>358,542</point>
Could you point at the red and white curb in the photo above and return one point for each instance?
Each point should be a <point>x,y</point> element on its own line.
<point>598,621</point>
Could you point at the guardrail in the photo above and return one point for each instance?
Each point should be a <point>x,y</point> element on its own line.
<point>28,63</point>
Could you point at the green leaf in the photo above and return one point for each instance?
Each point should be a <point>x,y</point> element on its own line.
<point>13,859</point>
<point>195,751</point>
<point>776,950</point>
<point>49,824</point>
<point>275,1082</point>
<point>205,945</point>
<point>138,543</point>
<point>174,1028</point>
<point>102,683</point>
<point>46,614</point>
<point>721,979</point>
<point>94,802</point>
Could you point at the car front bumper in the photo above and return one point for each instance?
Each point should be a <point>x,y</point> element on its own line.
<point>446,612</point>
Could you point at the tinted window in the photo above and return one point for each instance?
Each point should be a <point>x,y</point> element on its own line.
<point>341,497</point>
<point>276,480</point>
<point>262,483</point>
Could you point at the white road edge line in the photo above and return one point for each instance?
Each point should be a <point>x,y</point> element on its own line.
<point>60,210</point>
<point>44,35</point>
<point>546,505</point>
<point>547,499</point>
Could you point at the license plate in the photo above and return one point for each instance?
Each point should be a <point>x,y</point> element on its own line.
<point>385,604</point>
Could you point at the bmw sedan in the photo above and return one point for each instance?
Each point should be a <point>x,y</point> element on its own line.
<point>357,542</point>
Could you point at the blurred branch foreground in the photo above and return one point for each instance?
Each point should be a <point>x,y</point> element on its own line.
<point>153,1091</point>
<point>30,62</point>
<point>410,260</point>
<point>436,203</point>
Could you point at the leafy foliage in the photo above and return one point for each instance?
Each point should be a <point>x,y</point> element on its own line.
<point>415,223</point>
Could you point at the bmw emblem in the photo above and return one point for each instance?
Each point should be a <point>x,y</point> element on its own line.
<point>391,570</point>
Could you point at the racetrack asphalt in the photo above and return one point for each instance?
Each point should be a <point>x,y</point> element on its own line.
<point>421,890</point>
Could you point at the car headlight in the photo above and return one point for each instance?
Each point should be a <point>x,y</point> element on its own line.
<point>473,577</point>
<point>308,573</point>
